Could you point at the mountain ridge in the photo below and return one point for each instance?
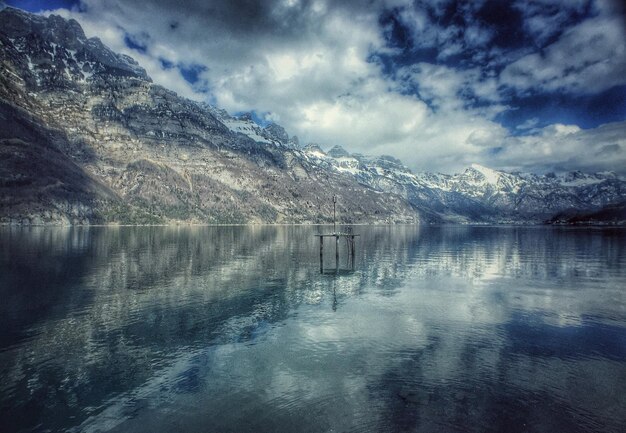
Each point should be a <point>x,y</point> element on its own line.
<point>165,158</point>
<point>484,195</point>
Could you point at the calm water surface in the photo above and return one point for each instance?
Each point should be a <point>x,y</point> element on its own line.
<point>234,329</point>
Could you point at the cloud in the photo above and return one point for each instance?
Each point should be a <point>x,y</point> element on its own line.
<point>449,88</point>
<point>545,19</point>
<point>565,147</point>
<point>528,124</point>
<point>337,72</point>
<point>588,58</point>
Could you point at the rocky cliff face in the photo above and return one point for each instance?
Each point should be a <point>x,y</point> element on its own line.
<point>88,138</point>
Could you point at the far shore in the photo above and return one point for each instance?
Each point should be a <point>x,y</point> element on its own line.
<point>621,224</point>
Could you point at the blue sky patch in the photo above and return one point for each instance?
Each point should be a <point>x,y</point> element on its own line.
<point>166,64</point>
<point>191,73</point>
<point>586,111</point>
<point>136,42</point>
<point>43,5</point>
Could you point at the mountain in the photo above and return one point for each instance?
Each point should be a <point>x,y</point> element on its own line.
<point>86,137</point>
<point>480,194</point>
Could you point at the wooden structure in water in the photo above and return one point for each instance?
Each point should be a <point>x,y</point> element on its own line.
<point>347,235</point>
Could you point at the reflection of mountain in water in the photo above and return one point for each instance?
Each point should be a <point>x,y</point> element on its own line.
<point>132,313</point>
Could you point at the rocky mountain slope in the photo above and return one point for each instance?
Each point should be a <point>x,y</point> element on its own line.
<point>86,137</point>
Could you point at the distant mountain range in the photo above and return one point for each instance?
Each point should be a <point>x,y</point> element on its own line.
<point>483,195</point>
<point>87,138</point>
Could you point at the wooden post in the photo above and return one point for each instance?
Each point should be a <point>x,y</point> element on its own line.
<point>321,254</point>
<point>352,249</point>
<point>336,252</point>
<point>334,219</point>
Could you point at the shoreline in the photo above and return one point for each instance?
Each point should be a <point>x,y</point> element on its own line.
<point>473,224</point>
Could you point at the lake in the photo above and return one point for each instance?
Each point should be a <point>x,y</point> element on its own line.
<point>234,329</point>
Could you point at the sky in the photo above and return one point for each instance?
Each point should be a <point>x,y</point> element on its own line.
<point>532,85</point>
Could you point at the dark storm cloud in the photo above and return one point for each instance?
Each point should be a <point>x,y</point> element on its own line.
<point>245,20</point>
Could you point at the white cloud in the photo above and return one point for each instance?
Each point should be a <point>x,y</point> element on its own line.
<point>563,147</point>
<point>447,87</point>
<point>528,124</point>
<point>544,19</point>
<point>588,58</point>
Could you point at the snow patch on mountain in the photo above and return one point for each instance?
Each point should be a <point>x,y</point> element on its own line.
<point>491,176</point>
<point>272,134</point>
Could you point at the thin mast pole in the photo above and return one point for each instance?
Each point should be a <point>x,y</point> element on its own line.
<point>334,220</point>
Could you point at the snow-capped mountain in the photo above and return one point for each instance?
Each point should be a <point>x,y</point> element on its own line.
<point>480,194</point>
<point>85,136</point>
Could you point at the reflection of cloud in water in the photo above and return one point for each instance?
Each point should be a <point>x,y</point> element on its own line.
<point>143,323</point>
<point>409,366</point>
